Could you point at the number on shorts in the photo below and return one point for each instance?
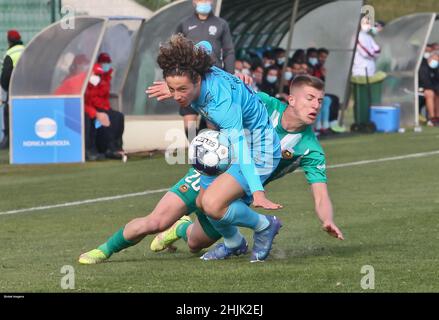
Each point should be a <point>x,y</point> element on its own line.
<point>194,181</point>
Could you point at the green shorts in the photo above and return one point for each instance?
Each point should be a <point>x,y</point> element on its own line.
<point>187,189</point>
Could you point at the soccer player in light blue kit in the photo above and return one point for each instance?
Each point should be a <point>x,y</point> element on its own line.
<point>227,103</point>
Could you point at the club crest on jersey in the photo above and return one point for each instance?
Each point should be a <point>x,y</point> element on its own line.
<point>184,188</point>
<point>287,154</point>
<point>212,30</point>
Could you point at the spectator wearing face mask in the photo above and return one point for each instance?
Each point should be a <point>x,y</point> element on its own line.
<point>104,127</point>
<point>280,57</point>
<point>428,50</point>
<point>246,67</point>
<point>268,59</point>
<point>270,81</point>
<point>377,28</point>
<point>203,25</point>
<point>429,84</point>
<point>367,51</point>
<point>105,61</point>
<point>312,59</point>
<point>257,73</point>
<point>290,72</point>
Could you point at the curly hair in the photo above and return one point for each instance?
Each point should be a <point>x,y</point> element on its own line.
<point>180,57</point>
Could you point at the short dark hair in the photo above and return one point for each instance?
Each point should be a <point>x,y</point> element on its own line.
<point>279,50</point>
<point>323,50</point>
<point>307,80</point>
<point>310,50</point>
<point>268,54</point>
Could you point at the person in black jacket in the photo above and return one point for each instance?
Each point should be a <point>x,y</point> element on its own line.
<point>429,84</point>
<point>203,25</point>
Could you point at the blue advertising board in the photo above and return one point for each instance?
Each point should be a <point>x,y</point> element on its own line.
<point>46,130</point>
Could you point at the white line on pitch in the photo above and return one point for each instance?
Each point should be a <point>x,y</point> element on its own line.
<point>129,195</point>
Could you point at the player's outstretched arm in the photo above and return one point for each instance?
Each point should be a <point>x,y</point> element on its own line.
<point>323,207</point>
<point>159,90</point>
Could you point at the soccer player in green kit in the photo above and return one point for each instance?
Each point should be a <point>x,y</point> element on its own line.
<point>300,148</point>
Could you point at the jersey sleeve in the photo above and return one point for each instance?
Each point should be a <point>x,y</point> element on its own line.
<point>314,166</point>
<point>272,104</point>
<point>228,116</point>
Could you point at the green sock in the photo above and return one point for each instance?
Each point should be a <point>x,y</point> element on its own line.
<point>181,230</point>
<point>115,243</point>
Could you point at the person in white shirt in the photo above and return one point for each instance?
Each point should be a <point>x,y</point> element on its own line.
<point>367,51</point>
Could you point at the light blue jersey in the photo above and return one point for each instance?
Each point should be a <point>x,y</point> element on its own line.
<point>229,104</point>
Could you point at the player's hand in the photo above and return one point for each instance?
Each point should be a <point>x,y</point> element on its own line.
<point>260,201</point>
<point>332,230</point>
<point>103,118</point>
<point>248,80</point>
<point>159,90</point>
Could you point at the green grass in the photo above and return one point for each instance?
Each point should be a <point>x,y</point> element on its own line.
<point>387,211</point>
<point>388,10</point>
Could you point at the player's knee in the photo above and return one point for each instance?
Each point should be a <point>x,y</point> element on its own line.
<point>212,207</point>
<point>428,93</point>
<point>150,225</point>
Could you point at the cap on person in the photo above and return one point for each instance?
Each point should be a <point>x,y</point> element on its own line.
<point>14,35</point>
<point>104,58</point>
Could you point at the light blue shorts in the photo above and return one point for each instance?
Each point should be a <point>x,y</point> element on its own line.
<point>235,172</point>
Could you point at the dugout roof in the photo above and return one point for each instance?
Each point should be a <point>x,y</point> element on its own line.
<point>254,24</point>
<point>402,43</point>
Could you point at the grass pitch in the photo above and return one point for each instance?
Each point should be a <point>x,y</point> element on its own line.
<point>388,212</point>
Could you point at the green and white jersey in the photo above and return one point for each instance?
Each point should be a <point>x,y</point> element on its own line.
<point>299,149</point>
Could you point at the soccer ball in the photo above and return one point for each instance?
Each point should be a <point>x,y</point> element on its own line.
<point>210,153</point>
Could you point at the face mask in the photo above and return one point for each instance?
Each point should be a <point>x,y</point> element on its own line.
<point>427,55</point>
<point>374,31</point>
<point>281,60</point>
<point>288,75</point>
<point>246,71</point>
<point>313,61</point>
<point>433,64</point>
<point>106,67</point>
<point>271,79</point>
<point>203,8</point>
<point>266,65</point>
<point>94,80</point>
